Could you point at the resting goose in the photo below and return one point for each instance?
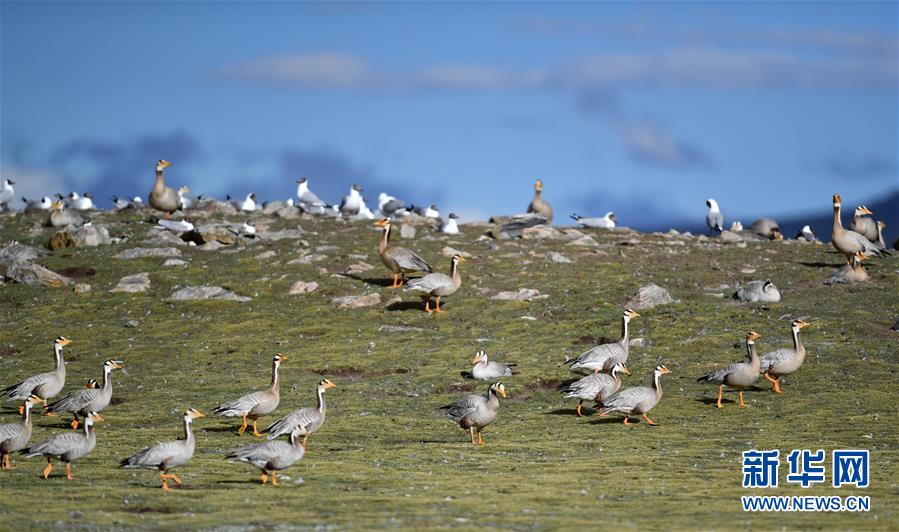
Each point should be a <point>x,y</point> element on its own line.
<point>863,224</point>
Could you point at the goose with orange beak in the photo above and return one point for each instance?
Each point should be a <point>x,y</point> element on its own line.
<point>67,446</point>
<point>167,455</point>
<point>256,404</point>
<point>739,375</point>
<point>398,260</point>
<point>638,400</point>
<point>849,242</point>
<point>437,284</point>
<point>474,412</point>
<point>163,198</point>
<point>785,361</point>
<point>44,385</point>
<point>539,205</point>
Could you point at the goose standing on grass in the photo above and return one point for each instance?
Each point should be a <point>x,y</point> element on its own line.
<point>714,219</point>
<point>848,242</point>
<point>307,200</point>
<point>352,202</point>
<point>485,370</point>
<point>398,260</point>
<point>44,385</point>
<point>784,361</point>
<point>863,224</point>
<point>60,216</point>
<point>595,387</point>
<point>87,400</point>
<point>41,205</point>
<point>272,456</point>
<point>604,356</point>
<point>474,412</point>
<point>450,226</point>
<point>739,375</point>
<point>256,404</point>
<point>163,198</point>
<point>437,285</point>
<point>15,436</point>
<point>540,206</point>
<point>606,222</point>
<point>67,446</point>
<point>167,455</point>
<point>638,400</point>
<point>7,193</point>
<point>307,419</point>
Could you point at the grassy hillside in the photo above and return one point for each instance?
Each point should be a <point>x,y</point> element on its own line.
<point>386,457</point>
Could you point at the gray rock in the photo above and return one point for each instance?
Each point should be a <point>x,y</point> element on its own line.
<point>266,255</point>
<point>131,324</point>
<point>195,293</point>
<point>174,262</point>
<point>139,253</point>
<point>308,259</point>
<point>358,267</point>
<point>14,251</point>
<point>139,282</point>
<point>83,288</point>
<point>34,274</point>
<point>293,234</point>
<point>649,296</point>
<point>586,241</point>
<point>398,328</point>
<point>407,231</point>
<point>213,245</point>
<point>522,294</point>
<point>302,287</point>
<point>558,258</point>
<point>367,300</point>
<point>541,232</point>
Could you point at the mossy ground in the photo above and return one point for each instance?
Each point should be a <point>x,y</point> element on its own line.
<point>386,456</point>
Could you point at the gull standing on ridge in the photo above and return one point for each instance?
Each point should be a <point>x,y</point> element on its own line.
<point>307,200</point>
<point>84,203</point>
<point>7,193</point>
<point>248,204</point>
<point>539,205</point>
<point>606,222</point>
<point>807,234</point>
<point>389,206</point>
<point>352,203</point>
<point>714,219</point>
<point>430,211</point>
<point>450,226</point>
<point>44,204</point>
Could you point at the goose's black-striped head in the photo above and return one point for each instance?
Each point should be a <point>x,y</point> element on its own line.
<point>113,364</point>
<point>662,370</point>
<point>162,164</point>
<point>630,314</point>
<point>538,186</point>
<point>752,336</point>
<point>62,341</point>
<point>91,383</point>
<point>499,388</point>
<point>480,356</point>
<point>620,368</point>
<point>279,358</point>
<point>799,324</point>
<point>193,413</point>
<point>92,417</point>
<point>837,200</point>
<point>326,383</point>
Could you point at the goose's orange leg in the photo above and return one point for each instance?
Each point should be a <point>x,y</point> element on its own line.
<point>471,431</point>
<point>742,404</point>
<point>580,402</point>
<point>720,395</point>
<point>48,468</point>
<point>243,427</point>
<point>255,432</point>
<point>69,471</point>
<point>263,478</point>
<point>775,382</point>
<point>438,305</point>
<point>627,421</point>
<point>480,441</point>
<point>651,422</point>
<point>274,478</point>
<point>428,306</point>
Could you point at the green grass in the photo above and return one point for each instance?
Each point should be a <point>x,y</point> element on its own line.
<point>386,457</point>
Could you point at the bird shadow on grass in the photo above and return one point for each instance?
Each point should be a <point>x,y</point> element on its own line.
<point>563,412</point>
<point>818,264</point>
<point>611,420</point>
<point>376,281</point>
<point>228,429</point>
<point>404,305</point>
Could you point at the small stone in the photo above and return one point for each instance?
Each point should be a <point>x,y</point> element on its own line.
<point>194,293</point>
<point>407,231</point>
<point>522,294</point>
<point>266,255</point>
<point>358,267</point>
<point>308,259</point>
<point>82,288</point>
<point>398,328</point>
<point>139,253</point>
<point>33,274</point>
<point>174,262</point>
<point>584,241</point>
<point>541,232</point>
<point>212,245</point>
<point>139,282</point>
<point>367,300</point>
<point>558,258</point>
<point>132,324</point>
<point>302,287</point>
<point>649,296</point>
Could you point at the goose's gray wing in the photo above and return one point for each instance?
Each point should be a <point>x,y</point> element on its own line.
<point>721,374</point>
<point>9,430</point>
<point>304,417</point>
<point>155,455</point>
<point>628,398</point>
<point>775,357</point>
<point>75,401</point>
<point>58,444</point>
<point>241,405</point>
<point>461,408</point>
<point>23,389</point>
<point>408,259</point>
<point>429,282</point>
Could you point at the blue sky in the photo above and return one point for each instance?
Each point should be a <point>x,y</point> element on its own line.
<point>642,108</point>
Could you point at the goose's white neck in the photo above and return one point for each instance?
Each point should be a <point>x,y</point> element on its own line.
<point>321,399</point>
<point>188,433</point>
<point>57,353</point>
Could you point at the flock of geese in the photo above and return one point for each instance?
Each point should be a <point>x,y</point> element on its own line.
<point>604,364</point>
